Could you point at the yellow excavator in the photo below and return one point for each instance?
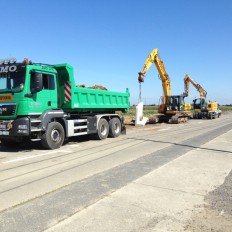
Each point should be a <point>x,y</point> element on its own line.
<point>202,108</point>
<point>173,108</point>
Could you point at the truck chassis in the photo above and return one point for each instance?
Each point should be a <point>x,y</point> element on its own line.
<point>53,127</point>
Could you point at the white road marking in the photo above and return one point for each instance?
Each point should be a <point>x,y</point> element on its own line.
<point>34,156</point>
<point>73,145</point>
<point>165,129</point>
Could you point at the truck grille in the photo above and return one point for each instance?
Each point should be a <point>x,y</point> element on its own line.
<point>7,109</point>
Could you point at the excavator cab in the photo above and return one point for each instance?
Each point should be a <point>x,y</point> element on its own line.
<point>173,103</point>
<point>200,104</point>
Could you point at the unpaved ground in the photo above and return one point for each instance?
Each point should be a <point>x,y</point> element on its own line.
<point>216,214</point>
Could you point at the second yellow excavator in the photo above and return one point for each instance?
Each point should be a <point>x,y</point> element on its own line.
<point>173,108</point>
<point>202,108</point>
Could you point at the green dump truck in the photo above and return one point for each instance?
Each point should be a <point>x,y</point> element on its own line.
<point>42,102</point>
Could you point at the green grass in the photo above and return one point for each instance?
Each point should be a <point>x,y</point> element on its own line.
<point>225,108</point>
<point>148,111</point>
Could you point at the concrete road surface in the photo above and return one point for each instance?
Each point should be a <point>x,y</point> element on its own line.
<point>159,177</point>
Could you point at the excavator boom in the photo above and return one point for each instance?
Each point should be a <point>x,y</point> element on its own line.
<point>187,81</point>
<point>154,57</point>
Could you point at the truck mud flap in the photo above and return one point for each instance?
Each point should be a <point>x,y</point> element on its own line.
<point>123,131</point>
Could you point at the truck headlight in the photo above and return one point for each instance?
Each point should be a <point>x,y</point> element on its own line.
<point>3,126</point>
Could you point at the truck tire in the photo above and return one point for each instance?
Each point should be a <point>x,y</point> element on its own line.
<point>102,129</point>
<point>115,127</point>
<point>53,138</point>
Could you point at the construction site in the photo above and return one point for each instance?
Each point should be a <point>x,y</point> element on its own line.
<point>101,156</point>
<point>116,116</point>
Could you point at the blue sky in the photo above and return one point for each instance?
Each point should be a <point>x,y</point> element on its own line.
<point>108,41</point>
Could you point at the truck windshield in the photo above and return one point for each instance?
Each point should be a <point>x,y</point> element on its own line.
<point>12,82</point>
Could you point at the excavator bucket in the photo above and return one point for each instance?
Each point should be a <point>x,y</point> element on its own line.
<point>141,77</point>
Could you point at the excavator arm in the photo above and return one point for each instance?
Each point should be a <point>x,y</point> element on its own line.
<point>187,81</point>
<point>154,57</point>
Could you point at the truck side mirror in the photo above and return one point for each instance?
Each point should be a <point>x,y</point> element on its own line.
<point>36,82</point>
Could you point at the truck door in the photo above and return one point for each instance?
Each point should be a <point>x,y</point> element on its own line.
<point>47,97</point>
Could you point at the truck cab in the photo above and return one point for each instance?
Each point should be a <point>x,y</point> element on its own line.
<point>26,90</point>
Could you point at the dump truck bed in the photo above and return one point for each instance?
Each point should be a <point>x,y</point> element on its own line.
<point>86,100</point>
<point>94,100</point>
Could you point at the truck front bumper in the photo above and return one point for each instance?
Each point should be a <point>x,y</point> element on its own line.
<point>17,127</point>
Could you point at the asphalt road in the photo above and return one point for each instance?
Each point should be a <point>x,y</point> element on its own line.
<point>159,177</point>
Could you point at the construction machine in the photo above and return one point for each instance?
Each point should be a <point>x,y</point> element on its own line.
<point>202,108</point>
<point>173,107</point>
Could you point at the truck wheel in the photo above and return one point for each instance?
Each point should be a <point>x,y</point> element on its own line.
<point>53,138</point>
<point>115,127</point>
<point>102,129</point>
